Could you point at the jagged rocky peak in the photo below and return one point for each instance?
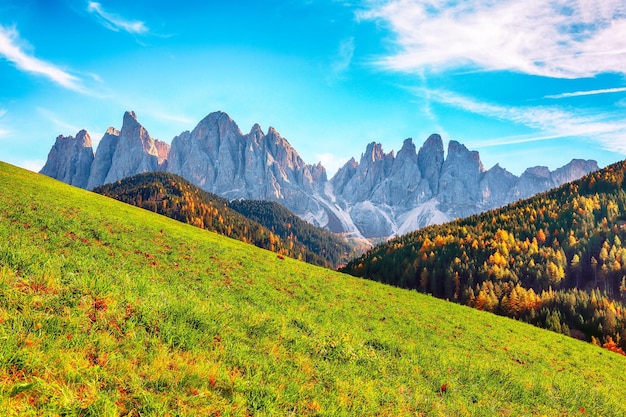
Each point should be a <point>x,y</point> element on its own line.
<point>70,159</point>
<point>83,139</point>
<point>126,152</point>
<point>408,148</point>
<point>256,133</point>
<point>433,143</point>
<point>495,186</point>
<point>112,131</point>
<point>459,183</point>
<point>163,151</point>
<point>574,170</point>
<point>430,161</point>
<point>459,151</point>
<point>132,130</point>
<point>537,171</point>
<point>498,169</point>
<point>130,115</point>
<point>374,153</point>
<point>318,173</point>
<point>343,175</point>
<point>104,155</point>
<point>282,151</point>
<point>216,124</point>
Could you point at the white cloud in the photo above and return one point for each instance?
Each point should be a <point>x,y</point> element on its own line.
<point>12,52</point>
<point>588,93</point>
<point>34,165</point>
<point>331,162</point>
<point>114,22</point>
<point>550,122</point>
<point>554,38</point>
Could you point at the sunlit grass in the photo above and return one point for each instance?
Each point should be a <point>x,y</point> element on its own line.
<point>106,309</point>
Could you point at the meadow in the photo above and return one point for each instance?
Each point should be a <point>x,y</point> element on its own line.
<point>109,310</point>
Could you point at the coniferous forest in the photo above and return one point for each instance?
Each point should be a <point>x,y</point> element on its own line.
<point>263,224</point>
<point>290,227</point>
<point>557,260</point>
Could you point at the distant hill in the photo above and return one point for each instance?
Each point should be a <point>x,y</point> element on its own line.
<point>556,260</point>
<point>109,310</point>
<point>266,225</point>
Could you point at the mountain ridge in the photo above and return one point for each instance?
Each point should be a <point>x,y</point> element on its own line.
<point>377,197</point>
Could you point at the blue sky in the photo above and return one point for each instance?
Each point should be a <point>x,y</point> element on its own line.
<point>523,82</point>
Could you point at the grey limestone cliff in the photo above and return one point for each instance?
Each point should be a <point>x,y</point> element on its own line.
<point>70,159</point>
<point>219,158</point>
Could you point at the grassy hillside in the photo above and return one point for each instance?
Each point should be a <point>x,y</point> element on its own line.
<point>267,225</point>
<point>555,260</point>
<point>107,309</point>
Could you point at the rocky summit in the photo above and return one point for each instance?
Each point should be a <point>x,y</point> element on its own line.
<point>70,159</point>
<point>379,196</point>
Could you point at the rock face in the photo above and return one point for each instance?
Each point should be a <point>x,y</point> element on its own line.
<point>385,195</point>
<point>70,159</point>
<point>380,196</point>
<point>104,158</point>
<point>127,152</point>
<point>219,158</point>
<point>135,152</point>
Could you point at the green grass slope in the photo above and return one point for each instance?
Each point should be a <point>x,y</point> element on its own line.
<point>107,309</point>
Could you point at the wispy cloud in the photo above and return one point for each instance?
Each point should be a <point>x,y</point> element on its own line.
<point>556,38</point>
<point>344,57</point>
<point>10,49</point>
<point>63,126</point>
<point>587,93</point>
<point>3,132</point>
<point>174,118</point>
<point>549,122</point>
<point>114,22</point>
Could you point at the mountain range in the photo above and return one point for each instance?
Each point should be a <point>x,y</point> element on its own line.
<point>381,195</point>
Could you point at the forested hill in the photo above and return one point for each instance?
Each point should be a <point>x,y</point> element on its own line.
<point>557,260</point>
<point>173,196</point>
<point>288,226</point>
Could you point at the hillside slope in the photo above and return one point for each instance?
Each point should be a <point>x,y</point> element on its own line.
<point>107,309</point>
<point>286,234</point>
<point>292,228</point>
<point>555,260</point>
